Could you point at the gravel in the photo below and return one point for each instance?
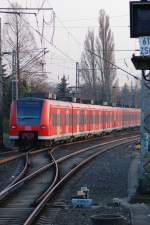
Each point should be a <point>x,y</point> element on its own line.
<point>106,177</point>
<point>9,171</point>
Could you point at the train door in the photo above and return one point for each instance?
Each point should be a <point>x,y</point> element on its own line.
<point>100,120</point>
<point>53,116</point>
<point>104,119</point>
<point>91,120</point>
<point>74,120</point>
<point>88,120</point>
<point>96,120</point>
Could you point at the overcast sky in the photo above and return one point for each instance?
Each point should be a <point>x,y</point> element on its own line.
<point>77,16</point>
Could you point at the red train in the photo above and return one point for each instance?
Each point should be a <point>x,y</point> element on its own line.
<point>49,120</point>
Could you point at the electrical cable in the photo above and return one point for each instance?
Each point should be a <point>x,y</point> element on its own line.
<point>58,49</point>
<point>96,54</point>
<point>33,59</point>
<point>41,6</point>
<point>94,18</point>
<point>30,60</point>
<point>66,55</point>
<point>117,67</point>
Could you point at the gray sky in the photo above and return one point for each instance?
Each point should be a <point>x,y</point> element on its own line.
<point>77,16</point>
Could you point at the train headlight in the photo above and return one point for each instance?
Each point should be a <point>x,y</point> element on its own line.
<point>43,127</point>
<point>13,126</point>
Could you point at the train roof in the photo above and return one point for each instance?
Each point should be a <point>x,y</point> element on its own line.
<point>78,105</point>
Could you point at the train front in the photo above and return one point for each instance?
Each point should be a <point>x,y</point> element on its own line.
<point>27,120</point>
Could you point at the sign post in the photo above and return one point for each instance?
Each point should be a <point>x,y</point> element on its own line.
<point>144,51</point>
<point>140,28</point>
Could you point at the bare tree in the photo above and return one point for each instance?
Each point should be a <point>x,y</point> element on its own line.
<point>105,50</point>
<point>135,94</point>
<point>17,35</point>
<point>88,64</point>
<point>98,54</point>
<point>116,94</point>
<point>126,95</point>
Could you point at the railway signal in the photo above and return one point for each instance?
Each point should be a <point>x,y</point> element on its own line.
<point>139,28</point>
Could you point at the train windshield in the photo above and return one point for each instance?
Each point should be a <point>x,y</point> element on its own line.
<point>28,112</point>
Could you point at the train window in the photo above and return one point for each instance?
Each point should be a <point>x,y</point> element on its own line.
<point>91,119</point>
<point>110,117</point>
<point>104,117</point>
<point>70,119</point>
<point>81,118</point>
<point>84,119</point>
<point>78,118</point>
<point>96,119</point>
<point>54,120</point>
<point>59,120</point>
<point>74,119</point>
<point>66,119</point>
<point>29,111</point>
<point>88,119</point>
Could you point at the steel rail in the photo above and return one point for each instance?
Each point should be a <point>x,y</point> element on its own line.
<point>16,185</point>
<point>55,163</point>
<point>8,152</point>
<point>25,168</point>
<point>48,195</point>
<point>23,171</point>
<point>21,174</point>
<point>10,189</point>
<point>11,158</point>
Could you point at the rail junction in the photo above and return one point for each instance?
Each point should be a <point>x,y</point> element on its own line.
<point>48,171</point>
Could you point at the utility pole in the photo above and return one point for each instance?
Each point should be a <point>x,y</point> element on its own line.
<point>15,77</point>
<point>77,77</point>
<point>19,11</point>
<point>17,55</point>
<point>1,92</point>
<point>142,126</point>
<point>139,20</point>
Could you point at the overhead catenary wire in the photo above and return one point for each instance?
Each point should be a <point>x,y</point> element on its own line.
<point>86,27</point>
<point>94,18</point>
<point>42,5</point>
<point>117,67</point>
<point>34,58</point>
<point>66,55</point>
<point>58,49</point>
<point>28,63</point>
<point>16,12</point>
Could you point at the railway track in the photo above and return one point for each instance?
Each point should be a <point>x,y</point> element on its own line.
<point>14,165</point>
<point>12,171</point>
<point>4,154</point>
<point>13,168</point>
<point>37,188</point>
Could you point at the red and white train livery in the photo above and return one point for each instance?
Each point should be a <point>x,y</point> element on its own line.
<point>43,119</point>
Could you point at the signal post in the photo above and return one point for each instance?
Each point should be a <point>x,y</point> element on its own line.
<point>140,28</point>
